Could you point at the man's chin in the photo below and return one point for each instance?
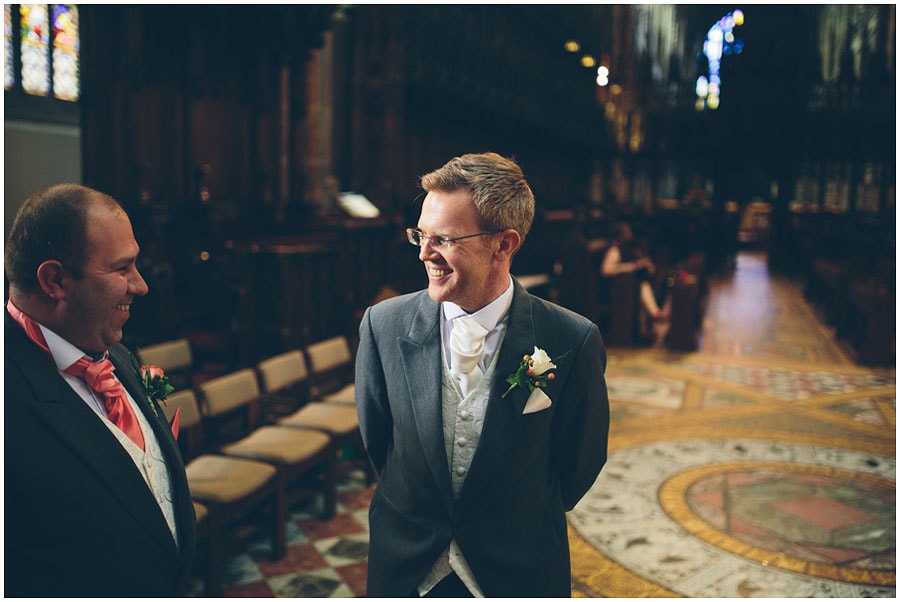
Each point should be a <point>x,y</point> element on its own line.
<point>112,338</point>
<point>439,292</point>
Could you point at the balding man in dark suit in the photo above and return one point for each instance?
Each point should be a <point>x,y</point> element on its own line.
<point>96,497</point>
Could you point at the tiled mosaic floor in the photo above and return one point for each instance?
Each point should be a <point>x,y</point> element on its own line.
<point>325,559</point>
<point>762,465</point>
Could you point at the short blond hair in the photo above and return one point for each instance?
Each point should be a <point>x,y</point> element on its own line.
<point>502,196</point>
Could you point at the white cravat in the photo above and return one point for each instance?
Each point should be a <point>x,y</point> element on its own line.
<point>466,346</point>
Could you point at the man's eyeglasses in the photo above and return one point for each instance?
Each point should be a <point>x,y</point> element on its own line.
<point>418,238</point>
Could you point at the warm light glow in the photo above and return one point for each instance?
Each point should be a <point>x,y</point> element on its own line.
<point>588,61</point>
<point>204,255</point>
<point>573,46</point>
<point>712,102</point>
<point>615,89</point>
<point>702,87</point>
<point>738,17</point>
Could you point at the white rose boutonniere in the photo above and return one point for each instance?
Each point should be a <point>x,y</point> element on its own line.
<point>535,371</point>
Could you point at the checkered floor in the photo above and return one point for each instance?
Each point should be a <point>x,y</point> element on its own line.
<point>325,558</point>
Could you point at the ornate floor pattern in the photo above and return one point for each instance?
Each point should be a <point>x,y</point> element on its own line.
<point>763,465</point>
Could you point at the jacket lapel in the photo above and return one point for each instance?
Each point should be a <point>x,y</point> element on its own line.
<point>420,353</point>
<point>76,425</point>
<point>503,414</point>
<point>127,374</point>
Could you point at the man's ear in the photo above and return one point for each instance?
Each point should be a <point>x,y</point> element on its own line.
<point>510,241</point>
<point>51,278</point>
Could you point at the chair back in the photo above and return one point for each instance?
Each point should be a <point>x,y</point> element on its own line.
<point>230,405</point>
<point>190,410</point>
<point>329,354</point>
<point>282,371</point>
<point>227,393</point>
<point>174,357</point>
<point>330,365</point>
<point>170,355</point>
<point>190,427</point>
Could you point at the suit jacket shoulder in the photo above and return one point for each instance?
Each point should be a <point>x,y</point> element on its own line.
<point>62,467</point>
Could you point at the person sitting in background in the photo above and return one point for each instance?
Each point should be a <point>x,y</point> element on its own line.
<point>625,256</point>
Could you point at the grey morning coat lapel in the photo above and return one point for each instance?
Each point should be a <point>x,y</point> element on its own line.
<point>420,353</point>
<point>421,356</point>
<point>66,414</point>
<point>503,414</point>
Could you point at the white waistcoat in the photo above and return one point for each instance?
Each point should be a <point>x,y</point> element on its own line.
<point>463,420</point>
<point>151,463</point>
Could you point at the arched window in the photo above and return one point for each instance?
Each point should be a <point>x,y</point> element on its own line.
<point>41,62</point>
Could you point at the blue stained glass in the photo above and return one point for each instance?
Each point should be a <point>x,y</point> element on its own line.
<point>66,45</point>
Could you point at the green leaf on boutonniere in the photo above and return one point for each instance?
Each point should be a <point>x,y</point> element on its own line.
<point>535,371</point>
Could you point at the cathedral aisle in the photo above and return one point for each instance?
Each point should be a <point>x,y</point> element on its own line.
<point>762,465</point>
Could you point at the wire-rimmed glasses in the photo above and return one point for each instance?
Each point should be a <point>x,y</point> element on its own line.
<point>417,237</point>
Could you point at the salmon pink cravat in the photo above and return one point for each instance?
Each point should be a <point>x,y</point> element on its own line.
<point>98,376</point>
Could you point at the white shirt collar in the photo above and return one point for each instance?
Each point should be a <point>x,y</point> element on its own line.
<point>63,352</point>
<point>489,315</point>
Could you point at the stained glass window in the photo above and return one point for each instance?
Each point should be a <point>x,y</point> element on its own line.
<point>8,77</point>
<point>42,46</point>
<point>65,51</point>
<point>35,49</point>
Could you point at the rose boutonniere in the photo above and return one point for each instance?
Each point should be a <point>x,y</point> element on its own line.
<point>535,371</point>
<point>156,383</point>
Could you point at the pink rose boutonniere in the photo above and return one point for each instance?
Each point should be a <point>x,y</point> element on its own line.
<point>157,387</point>
<point>156,383</point>
<point>535,371</point>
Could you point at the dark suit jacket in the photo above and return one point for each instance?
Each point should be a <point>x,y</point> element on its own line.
<point>527,472</point>
<point>79,517</point>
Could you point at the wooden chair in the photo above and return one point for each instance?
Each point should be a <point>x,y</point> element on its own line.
<point>233,401</point>
<point>284,379</point>
<point>331,369</point>
<point>223,490</point>
<point>175,358</point>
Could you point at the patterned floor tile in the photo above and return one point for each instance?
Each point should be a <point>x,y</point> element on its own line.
<point>319,583</point>
<point>345,550</point>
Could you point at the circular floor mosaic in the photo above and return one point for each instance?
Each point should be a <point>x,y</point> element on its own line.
<point>747,518</point>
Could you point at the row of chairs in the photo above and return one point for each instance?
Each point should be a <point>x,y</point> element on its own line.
<point>257,438</point>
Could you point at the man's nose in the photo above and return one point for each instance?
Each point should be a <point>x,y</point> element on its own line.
<point>138,286</point>
<point>426,250</point>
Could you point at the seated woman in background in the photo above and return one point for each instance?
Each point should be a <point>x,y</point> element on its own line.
<point>624,255</point>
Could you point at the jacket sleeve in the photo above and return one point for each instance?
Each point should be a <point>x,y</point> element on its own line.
<point>581,428</point>
<point>372,406</point>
